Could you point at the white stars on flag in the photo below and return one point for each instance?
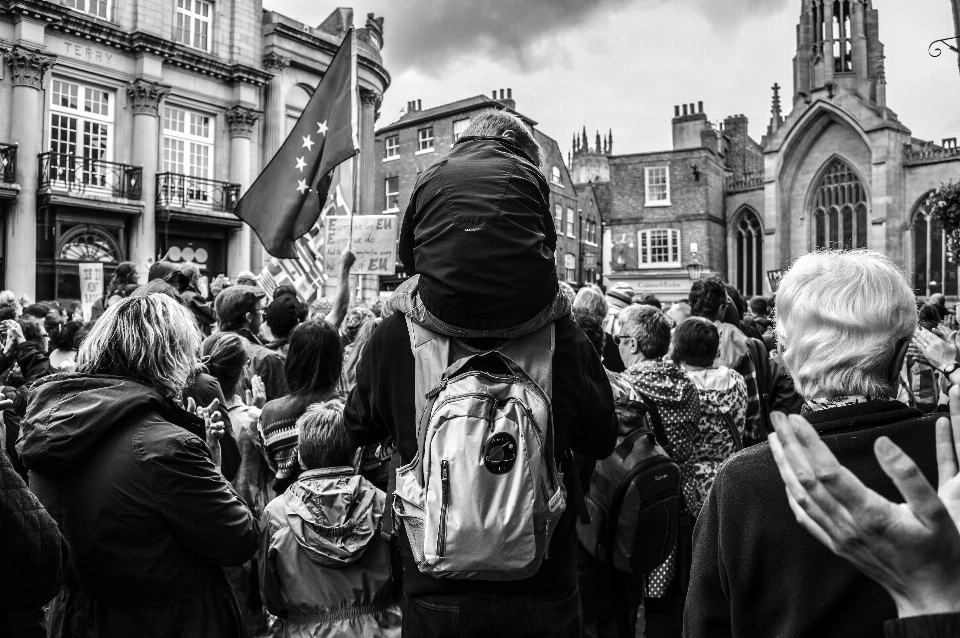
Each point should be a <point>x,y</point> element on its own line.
<point>322,128</point>
<point>301,164</point>
<point>302,186</point>
<point>308,143</point>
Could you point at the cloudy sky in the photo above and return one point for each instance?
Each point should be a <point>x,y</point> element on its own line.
<point>623,64</point>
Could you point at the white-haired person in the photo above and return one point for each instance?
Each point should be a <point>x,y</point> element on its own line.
<point>132,480</point>
<point>844,322</point>
<point>593,301</point>
<point>324,566</point>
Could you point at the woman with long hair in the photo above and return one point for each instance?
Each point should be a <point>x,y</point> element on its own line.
<point>312,368</point>
<point>132,479</point>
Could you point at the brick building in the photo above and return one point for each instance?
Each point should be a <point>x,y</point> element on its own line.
<point>130,128</point>
<point>408,146</point>
<point>839,170</point>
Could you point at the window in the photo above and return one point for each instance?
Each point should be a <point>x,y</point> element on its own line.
<point>391,147</point>
<point>96,8</point>
<point>81,124</point>
<point>459,126</point>
<point>193,24</point>
<point>555,175</point>
<point>391,187</point>
<point>934,266</point>
<point>569,267</point>
<point>657,180</point>
<point>659,248</point>
<point>571,224</point>
<point>188,150</point>
<point>749,237</point>
<point>840,31</point>
<point>558,215</point>
<point>425,139</point>
<point>840,208</point>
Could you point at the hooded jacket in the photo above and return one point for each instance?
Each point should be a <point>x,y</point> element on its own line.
<point>148,517</point>
<point>325,566</point>
<point>479,232</point>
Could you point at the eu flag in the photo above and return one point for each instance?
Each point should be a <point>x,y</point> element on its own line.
<point>285,201</point>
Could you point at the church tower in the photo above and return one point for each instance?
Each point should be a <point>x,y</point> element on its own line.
<point>838,44</point>
<point>590,164</point>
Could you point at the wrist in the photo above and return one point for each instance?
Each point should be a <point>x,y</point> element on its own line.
<point>936,600</point>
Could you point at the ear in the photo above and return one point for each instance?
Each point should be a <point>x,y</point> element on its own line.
<point>510,135</point>
<point>897,364</point>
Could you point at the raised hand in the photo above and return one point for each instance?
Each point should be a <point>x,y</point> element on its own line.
<point>935,350</point>
<point>258,396</point>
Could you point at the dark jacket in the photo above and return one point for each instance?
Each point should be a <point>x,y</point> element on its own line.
<point>33,365</point>
<point>382,405</point>
<point>33,554</point>
<point>266,363</point>
<point>932,626</point>
<point>203,390</point>
<point>149,518</point>
<point>480,233</point>
<point>757,572</point>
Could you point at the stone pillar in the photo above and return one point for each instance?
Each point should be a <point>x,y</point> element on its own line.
<point>274,124</point>
<point>145,97</point>
<point>369,103</point>
<point>27,68</point>
<point>828,67</point>
<point>859,50</point>
<point>240,121</point>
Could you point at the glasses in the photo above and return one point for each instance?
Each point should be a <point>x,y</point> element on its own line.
<point>618,339</point>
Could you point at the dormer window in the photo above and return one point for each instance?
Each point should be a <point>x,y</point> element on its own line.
<point>555,175</point>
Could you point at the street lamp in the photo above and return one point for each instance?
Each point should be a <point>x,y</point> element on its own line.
<point>694,268</point>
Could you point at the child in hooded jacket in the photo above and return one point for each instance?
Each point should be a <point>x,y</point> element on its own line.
<point>325,568</point>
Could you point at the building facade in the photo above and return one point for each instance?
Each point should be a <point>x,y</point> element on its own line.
<point>133,127</point>
<point>839,170</point>
<point>419,137</point>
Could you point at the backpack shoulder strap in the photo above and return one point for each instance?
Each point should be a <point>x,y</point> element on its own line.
<point>533,353</point>
<point>732,428</point>
<point>431,354</point>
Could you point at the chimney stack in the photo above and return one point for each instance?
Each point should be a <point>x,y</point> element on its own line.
<point>506,98</point>
<point>700,107</point>
<point>676,110</point>
<point>419,106</point>
<point>685,109</point>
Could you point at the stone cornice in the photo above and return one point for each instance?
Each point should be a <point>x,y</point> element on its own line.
<point>146,95</point>
<point>28,66</point>
<point>240,120</point>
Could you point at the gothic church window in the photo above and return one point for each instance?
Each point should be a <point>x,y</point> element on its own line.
<point>934,269</point>
<point>749,242</point>
<point>840,208</point>
<point>839,31</point>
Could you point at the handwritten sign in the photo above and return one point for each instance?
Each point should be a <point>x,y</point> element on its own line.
<point>91,287</point>
<point>374,243</point>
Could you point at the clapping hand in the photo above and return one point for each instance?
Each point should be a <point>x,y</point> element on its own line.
<point>213,426</point>
<point>258,396</point>
<point>936,351</point>
<point>911,549</point>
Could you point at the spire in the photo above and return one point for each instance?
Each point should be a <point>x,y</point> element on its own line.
<point>598,143</point>
<point>776,115</point>
<point>586,145</point>
<point>610,143</point>
<point>574,145</point>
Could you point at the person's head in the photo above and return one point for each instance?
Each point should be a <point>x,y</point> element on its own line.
<point>591,300</point>
<point>289,291</point>
<point>34,331</point>
<point>648,300</point>
<point>356,317</point>
<point>247,278</point>
<point>82,334</point>
<point>37,310</point>
<point>54,319</point>
<point>619,297</point>
<point>323,440</point>
<point>708,298</point>
<point>644,334</point>
<point>590,323</point>
<point>8,299</point>
<point>696,343</point>
<point>282,315</point>
<point>124,275</point>
<point>759,306</point>
<point>154,286</point>
<point>169,272</point>
<point>224,355</point>
<point>567,291</point>
<point>240,308</point>
<point>150,339</point>
<point>497,123</point>
<point>938,299</point>
<point>65,338</point>
<point>679,312</point>
<point>315,359</point>
<point>7,312</point>
<point>843,321</point>
<point>377,308</point>
<point>192,273</point>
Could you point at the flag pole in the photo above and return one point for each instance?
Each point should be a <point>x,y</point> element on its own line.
<point>355,125</point>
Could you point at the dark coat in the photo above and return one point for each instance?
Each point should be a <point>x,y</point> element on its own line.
<point>757,572</point>
<point>149,518</point>
<point>480,233</point>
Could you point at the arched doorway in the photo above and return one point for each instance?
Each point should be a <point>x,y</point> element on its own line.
<point>934,269</point>
<point>840,208</point>
<point>748,235</point>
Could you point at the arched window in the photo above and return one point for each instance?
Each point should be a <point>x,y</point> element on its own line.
<point>934,269</point>
<point>749,237</point>
<point>840,208</point>
<point>89,244</point>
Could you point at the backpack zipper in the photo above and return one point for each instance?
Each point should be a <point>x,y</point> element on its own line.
<point>444,500</point>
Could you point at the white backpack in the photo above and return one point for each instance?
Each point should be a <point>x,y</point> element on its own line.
<point>481,498</point>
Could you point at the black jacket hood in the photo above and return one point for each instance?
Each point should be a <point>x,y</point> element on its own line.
<point>69,414</point>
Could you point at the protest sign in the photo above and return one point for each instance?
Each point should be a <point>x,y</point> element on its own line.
<point>91,287</point>
<point>374,242</point>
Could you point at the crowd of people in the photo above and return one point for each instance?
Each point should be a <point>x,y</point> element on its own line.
<point>487,453</point>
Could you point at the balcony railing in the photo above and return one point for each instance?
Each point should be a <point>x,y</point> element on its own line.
<point>8,163</point>
<point>89,176</point>
<point>175,190</point>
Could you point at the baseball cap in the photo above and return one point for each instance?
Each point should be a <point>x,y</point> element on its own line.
<point>236,301</point>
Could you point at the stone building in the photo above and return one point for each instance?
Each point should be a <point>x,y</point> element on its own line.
<point>132,127</point>
<point>407,146</point>
<point>839,169</point>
